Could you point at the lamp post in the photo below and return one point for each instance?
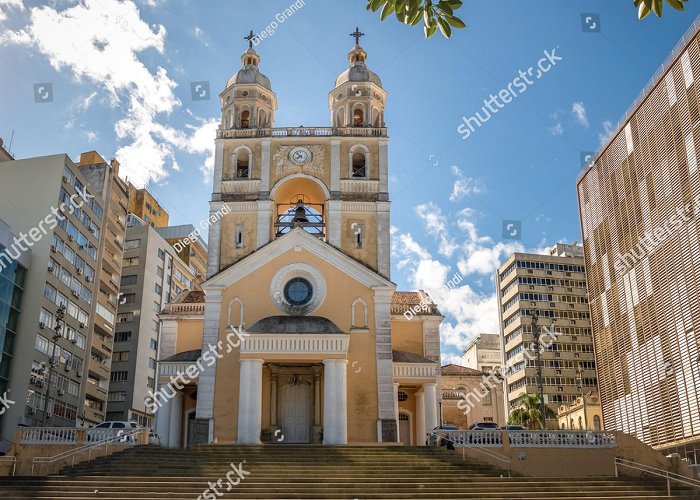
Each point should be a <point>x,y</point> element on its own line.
<point>536,333</point>
<point>60,315</point>
<point>579,377</point>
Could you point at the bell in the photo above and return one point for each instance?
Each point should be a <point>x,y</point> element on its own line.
<point>300,214</point>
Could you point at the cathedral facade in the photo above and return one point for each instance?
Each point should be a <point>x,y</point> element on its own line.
<point>299,335</point>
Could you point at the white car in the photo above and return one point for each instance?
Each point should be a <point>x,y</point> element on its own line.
<point>96,433</point>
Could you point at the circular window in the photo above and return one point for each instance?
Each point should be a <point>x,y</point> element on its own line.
<point>298,292</point>
<point>402,396</point>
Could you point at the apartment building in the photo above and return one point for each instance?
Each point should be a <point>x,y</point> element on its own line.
<point>14,266</point>
<point>145,206</point>
<point>483,352</point>
<point>639,204</point>
<point>552,287</point>
<point>193,252</point>
<point>153,274</point>
<point>70,219</point>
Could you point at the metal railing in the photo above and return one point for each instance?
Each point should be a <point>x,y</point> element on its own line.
<point>669,476</point>
<point>461,443</point>
<point>12,460</point>
<point>121,437</point>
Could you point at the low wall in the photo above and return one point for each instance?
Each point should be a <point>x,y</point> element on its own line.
<point>25,452</point>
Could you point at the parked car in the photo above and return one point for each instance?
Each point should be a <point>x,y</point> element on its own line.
<point>483,426</point>
<point>153,438</point>
<point>95,435</point>
<point>434,436</point>
<point>513,428</point>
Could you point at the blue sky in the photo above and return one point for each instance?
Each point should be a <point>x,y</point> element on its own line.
<point>120,75</point>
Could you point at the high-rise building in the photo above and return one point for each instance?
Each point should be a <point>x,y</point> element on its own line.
<point>639,206</point>
<point>13,273</point>
<point>483,352</point>
<point>145,206</point>
<point>71,222</point>
<point>190,247</point>
<point>553,288</point>
<point>152,276</point>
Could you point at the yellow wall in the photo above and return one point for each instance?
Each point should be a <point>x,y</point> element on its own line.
<point>407,336</point>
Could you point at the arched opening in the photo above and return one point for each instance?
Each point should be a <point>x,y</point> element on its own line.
<point>359,165</point>
<point>261,119</point>
<point>245,119</point>
<point>357,117</point>
<point>242,164</point>
<point>596,423</point>
<point>300,202</point>
<point>359,313</point>
<point>580,422</point>
<point>571,424</point>
<point>377,119</point>
<point>235,312</point>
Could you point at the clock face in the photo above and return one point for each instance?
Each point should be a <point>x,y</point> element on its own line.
<point>300,156</point>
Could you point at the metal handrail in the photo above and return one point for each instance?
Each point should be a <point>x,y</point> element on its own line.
<point>488,453</point>
<point>668,475</point>
<point>88,447</point>
<point>10,459</point>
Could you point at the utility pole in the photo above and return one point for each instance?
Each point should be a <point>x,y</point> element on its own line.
<point>536,333</point>
<point>57,329</point>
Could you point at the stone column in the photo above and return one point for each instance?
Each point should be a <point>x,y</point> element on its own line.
<point>431,411</point>
<point>175,430</point>
<point>162,427</point>
<point>396,412</point>
<point>264,223</point>
<point>317,398</point>
<point>335,404</point>
<point>265,166</point>
<point>273,398</point>
<point>335,166</point>
<point>333,223</point>
<point>250,402</point>
<point>420,418</point>
<point>207,377</point>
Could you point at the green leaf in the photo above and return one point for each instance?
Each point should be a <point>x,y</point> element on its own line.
<point>376,4</point>
<point>443,6</point>
<point>444,27</point>
<point>643,11</point>
<point>657,6</point>
<point>430,31</point>
<point>416,18</point>
<point>455,22</point>
<point>387,10</point>
<point>676,4</point>
<point>455,4</point>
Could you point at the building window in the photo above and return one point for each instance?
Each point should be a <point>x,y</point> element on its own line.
<point>120,356</point>
<point>151,383</point>
<point>122,337</point>
<point>151,363</point>
<point>132,244</point>
<point>238,235</point>
<point>357,117</point>
<point>159,272</point>
<point>129,280</point>
<point>130,261</point>
<point>402,396</point>
<point>161,254</point>
<point>156,307</point>
<point>158,289</point>
<point>242,164</point>
<point>487,398</point>
<point>119,376</point>
<point>359,165</point>
<point>154,344</point>
<point>125,317</point>
<point>116,397</point>
<point>127,298</point>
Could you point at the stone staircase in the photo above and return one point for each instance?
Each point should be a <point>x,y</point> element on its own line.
<point>313,472</point>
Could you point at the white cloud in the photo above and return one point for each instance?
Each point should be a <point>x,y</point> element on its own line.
<point>436,225</point>
<point>608,129</point>
<point>201,141</point>
<point>86,102</point>
<point>201,36</point>
<point>101,42</point>
<point>91,136</point>
<point>579,112</point>
<point>464,186</point>
<point>9,4</point>
<point>557,129</point>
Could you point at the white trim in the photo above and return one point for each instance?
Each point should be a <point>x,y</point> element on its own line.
<point>298,270</point>
<point>234,164</point>
<point>296,343</point>
<point>300,176</point>
<point>410,425</point>
<point>354,149</point>
<point>240,309</point>
<point>352,314</point>
<point>286,243</point>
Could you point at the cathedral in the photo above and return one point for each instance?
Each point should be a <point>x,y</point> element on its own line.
<point>299,334</point>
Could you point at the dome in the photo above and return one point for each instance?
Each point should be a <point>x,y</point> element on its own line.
<point>249,73</point>
<point>358,70</point>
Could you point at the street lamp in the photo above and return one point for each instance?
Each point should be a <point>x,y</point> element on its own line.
<point>536,333</point>
<point>60,315</point>
<point>579,377</point>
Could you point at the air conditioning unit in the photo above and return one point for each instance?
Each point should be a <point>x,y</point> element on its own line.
<point>82,325</point>
<point>67,367</point>
<point>70,238</point>
<point>88,279</point>
<point>50,269</point>
<point>74,340</point>
<point>31,410</point>
<point>53,248</point>
<point>75,294</point>
<point>61,392</point>
<point>40,383</point>
<point>42,325</point>
<point>78,374</point>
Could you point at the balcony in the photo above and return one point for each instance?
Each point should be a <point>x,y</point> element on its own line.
<point>98,369</point>
<point>301,132</point>
<point>93,415</point>
<point>95,392</point>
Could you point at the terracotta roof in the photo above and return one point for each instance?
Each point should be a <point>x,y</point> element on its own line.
<point>408,357</point>
<point>420,302</point>
<point>453,369</point>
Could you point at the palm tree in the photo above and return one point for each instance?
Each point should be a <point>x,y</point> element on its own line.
<point>528,412</point>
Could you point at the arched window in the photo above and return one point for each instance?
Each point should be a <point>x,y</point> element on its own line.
<point>596,423</point>
<point>357,117</point>
<point>242,164</point>
<point>359,162</point>
<point>580,422</point>
<point>359,313</point>
<point>245,119</point>
<point>235,312</point>
<point>571,424</point>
